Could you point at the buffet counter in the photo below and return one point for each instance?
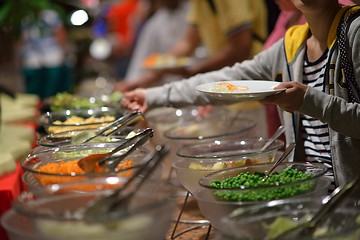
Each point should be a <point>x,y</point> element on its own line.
<point>17,138</point>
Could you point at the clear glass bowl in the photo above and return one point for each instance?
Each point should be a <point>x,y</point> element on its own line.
<point>201,159</point>
<point>214,210</point>
<point>102,183</point>
<point>37,176</point>
<point>149,216</point>
<point>273,191</point>
<point>48,120</point>
<point>268,220</point>
<point>165,121</point>
<point>64,138</point>
<point>214,128</point>
<point>164,118</point>
<point>208,129</point>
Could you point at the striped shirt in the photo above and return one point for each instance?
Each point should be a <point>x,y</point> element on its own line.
<point>315,133</point>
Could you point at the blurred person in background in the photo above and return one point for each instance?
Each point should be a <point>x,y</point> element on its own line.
<point>124,20</point>
<point>43,50</point>
<point>158,34</point>
<point>230,30</point>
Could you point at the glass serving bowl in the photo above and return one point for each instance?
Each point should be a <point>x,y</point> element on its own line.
<point>201,159</point>
<point>164,119</point>
<point>255,190</point>
<point>107,183</point>
<point>161,119</point>
<point>148,216</point>
<point>269,220</point>
<point>214,209</point>
<point>46,166</point>
<point>208,129</point>
<point>64,138</point>
<point>53,122</point>
<point>213,128</point>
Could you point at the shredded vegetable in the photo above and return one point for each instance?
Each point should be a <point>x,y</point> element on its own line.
<point>65,168</point>
<point>228,87</point>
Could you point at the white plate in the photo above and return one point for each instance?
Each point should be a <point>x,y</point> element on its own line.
<point>257,90</point>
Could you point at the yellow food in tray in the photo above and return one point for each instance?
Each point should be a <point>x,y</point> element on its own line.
<point>75,123</point>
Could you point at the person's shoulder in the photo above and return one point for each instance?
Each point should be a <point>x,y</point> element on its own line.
<point>297,32</point>
<point>294,39</point>
<point>353,19</point>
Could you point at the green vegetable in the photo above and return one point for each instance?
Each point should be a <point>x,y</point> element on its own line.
<point>279,226</point>
<point>255,179</point>
<point>64,100</point>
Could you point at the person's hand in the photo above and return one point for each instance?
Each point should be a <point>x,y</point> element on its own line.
<point>135,100</point>
<point>289,100</point>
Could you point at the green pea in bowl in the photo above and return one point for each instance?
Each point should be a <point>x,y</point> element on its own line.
<point>225,190</point>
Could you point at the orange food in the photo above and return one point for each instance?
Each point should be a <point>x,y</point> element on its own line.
<point>232,87</point>
<point>151,60</point>
<point>229,86</point>
<point>72,168</point>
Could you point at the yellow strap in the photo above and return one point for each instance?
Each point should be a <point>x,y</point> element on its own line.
<point>296,35</point>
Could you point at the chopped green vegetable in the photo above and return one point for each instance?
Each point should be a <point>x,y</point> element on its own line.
<point>256,179</point>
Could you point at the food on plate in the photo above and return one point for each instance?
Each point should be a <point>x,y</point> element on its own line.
<point>222,87</point>
<point>157,60</point>
<point>78,123</point>
<point>247,182</point>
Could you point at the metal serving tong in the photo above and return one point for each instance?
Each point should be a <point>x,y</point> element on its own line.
<point>118,124</point>
<point>108,160</point>
<point>115,205</point>
<point>278,132</point>
<point>329,204</point>
<point>287,151</point>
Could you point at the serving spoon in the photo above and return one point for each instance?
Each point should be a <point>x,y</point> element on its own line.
<point>108,160</point>
<point>277,133</point>
<point>283,156</point>
<point>329,204</point>
<point>115,205</point>
<point>87,136</point>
